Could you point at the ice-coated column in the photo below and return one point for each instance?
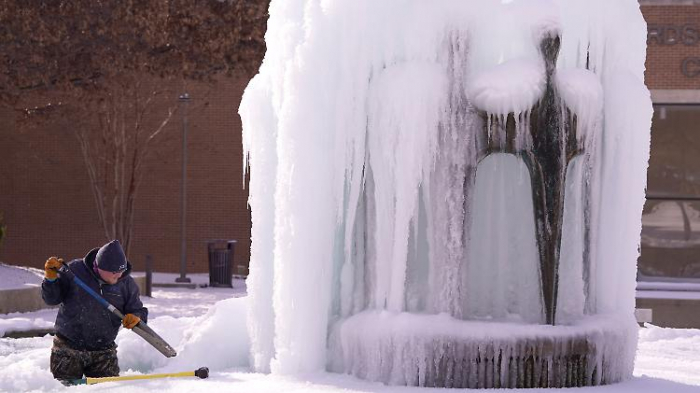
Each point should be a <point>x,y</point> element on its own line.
<point>438,191</point>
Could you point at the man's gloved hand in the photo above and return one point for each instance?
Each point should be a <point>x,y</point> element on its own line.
<point>130,320</point>
<point>51,267</point>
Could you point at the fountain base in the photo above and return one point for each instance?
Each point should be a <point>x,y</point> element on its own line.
<point>440,351</point>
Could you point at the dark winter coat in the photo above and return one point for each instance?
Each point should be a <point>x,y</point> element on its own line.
<point>82,321</point>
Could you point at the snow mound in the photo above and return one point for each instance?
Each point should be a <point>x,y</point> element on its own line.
<point>514,86</point>
<point>218,340</point>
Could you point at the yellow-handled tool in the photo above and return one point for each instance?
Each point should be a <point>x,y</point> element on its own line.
<point>202,373</point>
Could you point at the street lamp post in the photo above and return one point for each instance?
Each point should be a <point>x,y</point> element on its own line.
<point>184,101</point>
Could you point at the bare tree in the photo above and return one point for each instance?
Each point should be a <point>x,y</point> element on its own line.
<point>106,64</point>
<point>114,159</point>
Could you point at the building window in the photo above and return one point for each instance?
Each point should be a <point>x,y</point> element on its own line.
<point>671,218</point>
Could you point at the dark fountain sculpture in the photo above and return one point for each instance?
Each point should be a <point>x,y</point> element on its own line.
<point>553,146</point>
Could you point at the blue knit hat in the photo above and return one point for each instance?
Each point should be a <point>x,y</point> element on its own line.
<point>111,257</point>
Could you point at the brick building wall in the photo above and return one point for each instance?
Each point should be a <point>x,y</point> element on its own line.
<point>673,51</point>
<point>49,208</point>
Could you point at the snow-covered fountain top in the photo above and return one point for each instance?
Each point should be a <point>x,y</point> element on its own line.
<point>420,170</point>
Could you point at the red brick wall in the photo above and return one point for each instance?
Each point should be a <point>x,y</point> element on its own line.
<point>669,46</point>
<point>49,208</point>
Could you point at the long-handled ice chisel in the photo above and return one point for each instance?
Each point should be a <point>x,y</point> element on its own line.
<point>141,328</point>
<point>202,373</point>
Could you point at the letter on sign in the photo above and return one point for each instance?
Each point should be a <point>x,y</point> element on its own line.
<point>691,66</point>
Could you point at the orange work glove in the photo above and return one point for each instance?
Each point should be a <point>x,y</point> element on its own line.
<point>130,320</point>
<point>51,267</point>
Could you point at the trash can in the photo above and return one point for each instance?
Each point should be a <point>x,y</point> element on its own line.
<point>220,262</point>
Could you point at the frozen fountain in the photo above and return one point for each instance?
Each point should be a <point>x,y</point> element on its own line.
<point>448,193</point>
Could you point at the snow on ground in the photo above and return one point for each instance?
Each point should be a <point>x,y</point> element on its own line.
<point>169,278</point>
<point>660,294</point>
<point>17,277</point>
<point>207,327</point>
<point>165,302</point>
<point>17,321</point>
<point>669,354</point>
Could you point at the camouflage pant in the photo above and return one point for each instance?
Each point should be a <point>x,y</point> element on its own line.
<point>68,364</point>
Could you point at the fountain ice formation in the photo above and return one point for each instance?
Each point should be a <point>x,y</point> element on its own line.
<point>448,193</point>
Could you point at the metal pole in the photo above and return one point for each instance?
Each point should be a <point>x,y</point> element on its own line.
<point>149,275</point>
<point>184,100</point>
